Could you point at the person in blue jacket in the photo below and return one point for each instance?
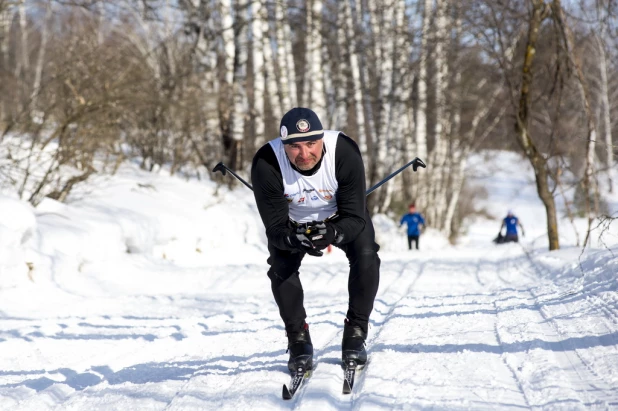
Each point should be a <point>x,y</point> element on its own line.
<point>414,220</point>
<point>511,222</point>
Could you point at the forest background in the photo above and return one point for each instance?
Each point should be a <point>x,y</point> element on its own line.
<point>183,84</point>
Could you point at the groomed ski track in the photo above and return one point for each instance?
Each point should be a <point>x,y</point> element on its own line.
<point>458,329</point>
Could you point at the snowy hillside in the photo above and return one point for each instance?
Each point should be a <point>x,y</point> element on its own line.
<point>150,293</point>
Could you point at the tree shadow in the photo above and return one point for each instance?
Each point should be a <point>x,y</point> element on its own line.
<point>568,344</point>
<point>156,372</point>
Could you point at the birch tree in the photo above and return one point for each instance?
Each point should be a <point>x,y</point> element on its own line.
<point>605,109</point>
<point>381,24</point>
<point>202,35</point>
<point>285,59</point>
<point>38,71</point>
<point>259,80</point>
<point>232,119</point>
<point>241,104</point>
<point>272,88</point>
<point>357,75</point>
<point>313,88</point>
<point>604,92</point>
<point>394,126</point>
<point>5,30</point>
<point>339,121</point>
<point>442,122</point>
<point>420,125</point>
<point>24,53</point>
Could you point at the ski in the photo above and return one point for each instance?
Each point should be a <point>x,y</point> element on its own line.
<point>297,381</point>
<point>349,375</point>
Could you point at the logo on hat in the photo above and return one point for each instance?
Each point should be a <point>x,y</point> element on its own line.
<point>303,125</point>
<point>284,132</point>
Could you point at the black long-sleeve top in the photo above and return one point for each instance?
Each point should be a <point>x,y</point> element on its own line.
<point>273,206</point>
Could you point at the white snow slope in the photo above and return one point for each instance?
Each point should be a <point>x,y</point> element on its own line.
<point>151,293</point>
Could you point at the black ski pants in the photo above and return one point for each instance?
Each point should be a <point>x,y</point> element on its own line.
<point>412,238</point>
<point>363,281</point>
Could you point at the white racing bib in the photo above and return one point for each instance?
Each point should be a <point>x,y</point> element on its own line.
<point>310,197</point>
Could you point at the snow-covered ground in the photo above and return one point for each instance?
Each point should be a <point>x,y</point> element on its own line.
<point>150,293</point>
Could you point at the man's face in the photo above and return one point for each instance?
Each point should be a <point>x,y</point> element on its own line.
<point>412,209</point>
<point>304,154</point>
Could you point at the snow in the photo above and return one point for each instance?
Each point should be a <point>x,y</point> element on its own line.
<point>149,292</point>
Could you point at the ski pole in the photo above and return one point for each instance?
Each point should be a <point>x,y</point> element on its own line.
<point>416,163</point>
<point>222,168</point>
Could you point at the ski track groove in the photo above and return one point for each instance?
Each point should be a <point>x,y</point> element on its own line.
<point>505,362</point>
<point>501,264</point>
<point>570,359</point>
<point>63,402</point>
<point>544,324</point>
<point>566,353</point>
<point>360,383</point>
<point>506,263</point>
<point>569,355</point>
<point>180,390</point>
<point>297,401</point>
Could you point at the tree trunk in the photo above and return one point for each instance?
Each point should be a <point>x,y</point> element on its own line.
<point>272,88</point>
<point>539,12</point>
<point>5,30</point>
<point>314,80</point>
<point>22,62</point>
<point>418,192</point>
<point>442,124</point>
<point>240,100</point>
<point>459,149</point>
<point>385,49</point>
<point>589,182</point>
<point>357,77</point>
<point>285,60</point>
<point>38,72</point>
<point>259,81</point>
<point>605,107</point>
<point>407,91</point>
<point>340,119</point>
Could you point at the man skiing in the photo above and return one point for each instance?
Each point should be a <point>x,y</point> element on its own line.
<point>309,186</point>
<point>413,220</point>
<point>511,222</point>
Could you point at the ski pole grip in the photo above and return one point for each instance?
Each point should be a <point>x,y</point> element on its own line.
<point>219,167</point>
<point>418,163</point>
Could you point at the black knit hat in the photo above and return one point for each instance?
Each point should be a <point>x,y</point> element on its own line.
<point>300,124</point>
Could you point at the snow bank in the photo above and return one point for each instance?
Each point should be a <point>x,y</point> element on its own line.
<point>17,227</point>
<point>131,215</point>
<point>593,272</point>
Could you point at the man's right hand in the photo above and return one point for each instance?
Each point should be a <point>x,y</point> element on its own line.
<point>301,242</point>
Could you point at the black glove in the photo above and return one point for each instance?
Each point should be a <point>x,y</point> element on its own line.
<point>300,241</point>
<point>322,234</point>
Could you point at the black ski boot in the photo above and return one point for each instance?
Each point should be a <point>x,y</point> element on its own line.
<point>353,344</point>
<point>301,350</point>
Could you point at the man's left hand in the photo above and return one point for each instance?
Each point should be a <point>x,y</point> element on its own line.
<point>322,234</point>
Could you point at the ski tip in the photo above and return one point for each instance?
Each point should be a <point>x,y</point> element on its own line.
<point>346,387</point>
<point>285,393</point>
